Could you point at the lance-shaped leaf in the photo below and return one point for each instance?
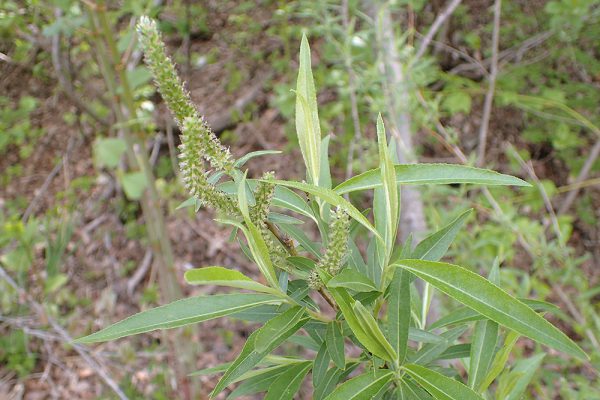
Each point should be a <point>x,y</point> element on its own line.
<point>321,365</point>
<point>250,357</point>
<point>430,174</point>
<point>432,351</point>
<point>390,199</point>
<point>434,246</point>
<point>288,383</point>
<point>485,337</point>
<point>521,375</point>
<point>364,328</point>
<point>500,360</point>
<point>180,313</point>
<point>351,279</point>
<point>258,248</point>
<point>464,314</point>
<point>332,198</point>
<point>335,344</point>
<point>492,302</point>
<point>362,387</point>
<point>307,117</point>
<point>220,276</point>
<point>398,313</point>
<point>439,386</point>
<point>377,341</point>
<point>259,382</point>
<point>278,326</point>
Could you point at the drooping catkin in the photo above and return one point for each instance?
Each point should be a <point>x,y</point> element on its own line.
<point>177,98</point>
<point>339,230</point>
<point>259,214</point>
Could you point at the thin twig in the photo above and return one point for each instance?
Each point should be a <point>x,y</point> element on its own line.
<point>583,174</point>
<point>66,85</point>
<point>140,272</point>
<point>352,89</point>
<point>65,337</point>
<point>439,21</point>
<point>489,97</point>
<point>531,172</point>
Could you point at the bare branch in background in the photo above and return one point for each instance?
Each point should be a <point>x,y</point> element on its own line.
<point>583,174</point>
<point>352,88</point>
<point>437,24</point>
<point>65,338</point>
<point>489,97</point>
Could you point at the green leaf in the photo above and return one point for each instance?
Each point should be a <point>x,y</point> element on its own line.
<point>108,152</point>
<point>351,279</point>
<point>332,198</point>
<point>464,314</point>
<point>483,342</point>
<point>258,248</point>
<point>321,365</point>
<point>335,344</point>
<point>362,387</point>
<point>499,363</point>
<point>288,383</point>
<point>523,371</point>
<point>398,313</point>
<point>307,117</point>
<point>180,313</point>
<point>192,201</point>
<point>431,351</point>
<point>277,327</point>
<point>260,382</point>
<point>243,160</point>
<point>134,184</point>
<point>492,302</point>
<point>434,246</point>
<point>225,277</point>
<point>462,350</point>
<point>483,347</point>
<point>357,324</point>
<point>390,193</point>
<point>376,343</point>
<point>421,336</point>
<point>250,357</point>
<point>439,386</point>
<point>430,174</point>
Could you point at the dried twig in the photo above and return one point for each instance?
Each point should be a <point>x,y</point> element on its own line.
<point>64,335</point>
<point>439,21</point>
<point>352,89</point>
<point>140,272</point>
<point>489,97</point>
<point>583,174</point>
<point>66,85</point>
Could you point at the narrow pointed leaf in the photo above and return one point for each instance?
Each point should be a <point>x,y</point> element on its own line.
<point>483,347</point>
<point>398,313</point>
<point>362,387</point>
<point>430,174</point>
<point>307,117</point>
<point>332,198</point>
<point>249,357</point>
<point>321,365</point>
<point>351,279</point>
<point>464,314</point>
<point>277,327</point>
<point>440,386</point>
<point>524,370</point>
<point>377,343</point>
<point>335,344</point>
<point>434,246</point>
<point>180,313</point>
<point>225,277</point>
<point>431,351</point>
<point>492,302</point>
<point>288,383</point>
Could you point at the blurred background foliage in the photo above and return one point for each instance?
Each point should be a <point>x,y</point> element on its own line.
<point>89,192</point>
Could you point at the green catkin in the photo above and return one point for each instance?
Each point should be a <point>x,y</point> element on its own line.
<point>177,98</point>
<point>339,230</point>
<point>259,213</point>
<point>314,281</point>
<point>193,175</point>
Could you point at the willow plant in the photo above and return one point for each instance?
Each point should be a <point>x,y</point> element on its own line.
<point>361,315</point>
